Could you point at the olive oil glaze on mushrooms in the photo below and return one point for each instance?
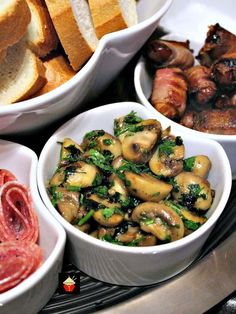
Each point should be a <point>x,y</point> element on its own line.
<point>133,188</point>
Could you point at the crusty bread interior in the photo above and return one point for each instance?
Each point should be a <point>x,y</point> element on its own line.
<point>72,38</point>
<point>21,74</point>
<point>84,21</point>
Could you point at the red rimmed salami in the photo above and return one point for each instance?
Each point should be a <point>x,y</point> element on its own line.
<point>18,259</point>
<point>18,220</point>
<point>5,176</point>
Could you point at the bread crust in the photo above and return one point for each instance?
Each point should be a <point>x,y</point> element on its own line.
<point>48,39</point>
<point>15,85</point>
<point>73,42</point>
<point>3,54</point>
<point>107,16</point>
<point>13,22</point>
<point>58,71</point>
<point>38,82</point>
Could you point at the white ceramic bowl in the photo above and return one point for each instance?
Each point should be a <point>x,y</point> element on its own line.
<point>35,291</point>
<point>134,266</point>
<point>191,23</point>
<point>114,51</point>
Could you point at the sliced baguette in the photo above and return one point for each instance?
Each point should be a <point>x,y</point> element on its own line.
<point>58,71</point>
<point>14,19</point>
<point>22,74</point>
<point>112,15</point>
<point>73,25</point>
<point>3,54</point>
<point>41,35</point>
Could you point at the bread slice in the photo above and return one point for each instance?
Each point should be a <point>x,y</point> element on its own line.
<point>14,19</point>
<point>3,54</point>
<point>112,15</point>
<point>58,71</point>
<point>73,25</point>
<point>41,35</point>
<point>21,74</point>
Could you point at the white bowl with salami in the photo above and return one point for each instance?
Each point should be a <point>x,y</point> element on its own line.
<point>209,108</point>
<point>31,98</point>
<point>99,175</point>
<point>32,242</point>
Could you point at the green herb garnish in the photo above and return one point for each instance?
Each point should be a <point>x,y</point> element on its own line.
<point>86,217</point>
<point>56,196</point>
<point>189,163</point>
<point>107,142</point>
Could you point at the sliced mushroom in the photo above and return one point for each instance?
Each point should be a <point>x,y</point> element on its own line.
<point>103,201</point>
<point>138,146</point>
<point>103,141</point>
<point>68,204</point>
<point>160,220</point>
<point>70,151</point>
<point>167,160</point>
<point>118,186</point>
<point>79,174</point>
<point>148,240</point>
<point>199,165</point>
<point>192,191</point>
<point>147,187</point>
<point>112,220</point>
<point>133,235</point>
<point>117,162</point>
<point>84,228</point>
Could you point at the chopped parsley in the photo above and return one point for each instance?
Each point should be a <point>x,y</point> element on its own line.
<point>130,124</point>
<point>107,142</point>
<point>55,195</point>
<point>189,163</point>
<point>86,217</point>
<point>100,160</point>
<point>72,153</point>
<point>166,147</point>
<point>73,188</point>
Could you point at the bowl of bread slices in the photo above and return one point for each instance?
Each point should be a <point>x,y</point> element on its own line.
<point>56,55</point>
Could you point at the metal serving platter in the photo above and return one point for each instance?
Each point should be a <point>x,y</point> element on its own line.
<point>207,285</point>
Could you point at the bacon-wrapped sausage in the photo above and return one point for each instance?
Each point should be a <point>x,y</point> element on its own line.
<point>169,53</point>
<point>218,42</point>
<point>224,71</point>
<point>18,220</point>
<point>169,92</point>
<point>201,87</point>
<point>212,121</point>
<point>226,100</point>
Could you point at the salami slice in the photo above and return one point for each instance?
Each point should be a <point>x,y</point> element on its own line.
<point>18,220</point>
<point>18,259</point>
<point>5,176</point>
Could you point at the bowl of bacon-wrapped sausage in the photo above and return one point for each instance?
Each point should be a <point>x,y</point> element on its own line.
<point>137,197</point>
<point>31,241</point>
<point>191,81</point>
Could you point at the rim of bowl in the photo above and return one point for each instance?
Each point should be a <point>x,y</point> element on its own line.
<point>140,66</point>
<point>57,93</point>
<point>124,249</point>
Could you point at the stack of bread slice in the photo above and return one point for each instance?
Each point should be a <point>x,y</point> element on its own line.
<point>43,43</point>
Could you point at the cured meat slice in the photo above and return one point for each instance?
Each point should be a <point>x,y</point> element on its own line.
<point>18,220</point>
<point>5,176</point>
<point>18,259</point>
